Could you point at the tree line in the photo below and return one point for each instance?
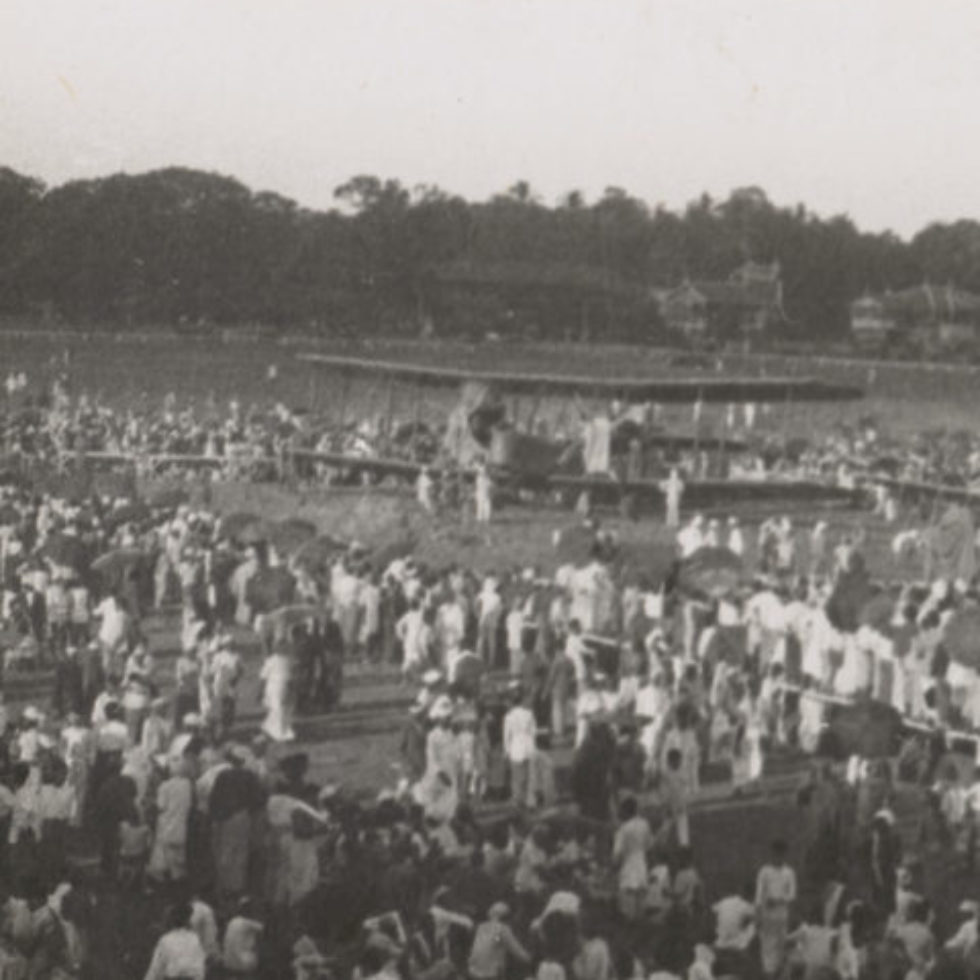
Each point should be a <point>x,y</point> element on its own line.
<point>183,247</point>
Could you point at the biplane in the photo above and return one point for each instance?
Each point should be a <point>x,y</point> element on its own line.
<point>523,459</point>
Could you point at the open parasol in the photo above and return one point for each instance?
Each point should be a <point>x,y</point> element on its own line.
<point>288,616</point>
<point>869,729</point>
<point>255,532</point>
<point>851,593</point>
<point>288,536</point>
<point>320,552</point>
<point>66,550</point>
<point>961,637</point>
<point>714,572</point>
<point>878,613</point>
<point>117,562</point>
<point>232,525</point>
<point>270,589</point>
<point>127,514</point>
<point>167,498</point>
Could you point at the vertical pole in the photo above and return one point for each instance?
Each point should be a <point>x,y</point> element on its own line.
<point>417,418</point>
<point>343,403</point>
<point>389,408</point>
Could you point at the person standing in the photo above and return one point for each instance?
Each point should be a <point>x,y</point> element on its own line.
<point>520,730</point>
<point>775,893</point>
<point>178,952</point>
<point>633,840</point>
<point>558,690</point>
<point>673,491</point>
<point>236,797</point>
<point>276,678</point>
<point>226,671</point>
<point>483,491</point>
<point>174,801</point>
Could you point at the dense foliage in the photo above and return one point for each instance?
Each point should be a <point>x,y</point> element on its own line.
<point>183,247</point>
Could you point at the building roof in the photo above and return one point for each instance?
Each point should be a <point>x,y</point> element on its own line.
<point>758,294</point>
<point>932,302</point>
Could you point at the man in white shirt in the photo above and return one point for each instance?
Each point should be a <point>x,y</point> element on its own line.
<point>691,536</point>
<point>178,952</point>
<point>520,731</point>
<point>113,628</point>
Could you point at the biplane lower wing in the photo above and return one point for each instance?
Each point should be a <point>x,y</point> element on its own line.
<point>710,388</point>
<point>375,465</point>
<point>706,493</point>
<point>157,459</point>
<point>945,491</point>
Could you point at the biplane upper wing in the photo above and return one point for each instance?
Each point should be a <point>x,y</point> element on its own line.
<point>633,390</point>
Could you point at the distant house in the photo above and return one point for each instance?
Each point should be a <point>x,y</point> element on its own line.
<point>749,302</point>
<point>933,317</point>
<point>872,325</point>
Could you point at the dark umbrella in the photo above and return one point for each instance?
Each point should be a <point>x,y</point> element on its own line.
<point>714,572</point>
<point>961,638</point>
<point>232,525</point>
<point>870,729</point>
<point>288,536</point>
<point>385,553</point>
<point>270,589</point>
<point>168,498</point>
<point>66,550</point>
<point>115,563</point>
<point>320,552</point>
<point>878,613</point>
<point>575,544</point>
<point>729,644</point>
<point>255,532</point>
<point>288,616</point>
<point>852,592</point>
<point>127,514</point>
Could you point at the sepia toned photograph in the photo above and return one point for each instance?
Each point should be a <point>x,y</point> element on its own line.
<point>488,490</point>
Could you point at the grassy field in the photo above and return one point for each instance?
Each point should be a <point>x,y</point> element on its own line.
<point>905,398</point>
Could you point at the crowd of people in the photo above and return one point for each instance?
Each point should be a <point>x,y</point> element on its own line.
<point>566,730</point>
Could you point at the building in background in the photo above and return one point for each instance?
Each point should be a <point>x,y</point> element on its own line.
<point>748,303</point>
<point>930,318</point>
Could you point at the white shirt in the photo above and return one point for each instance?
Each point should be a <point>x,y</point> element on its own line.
<point>733,923</point>
<point>113,627</point>
<point>178,954</point>
<point>520,734</point>
<point>240,946</point>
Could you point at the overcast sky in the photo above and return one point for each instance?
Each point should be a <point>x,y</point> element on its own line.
<point>860,106</point>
